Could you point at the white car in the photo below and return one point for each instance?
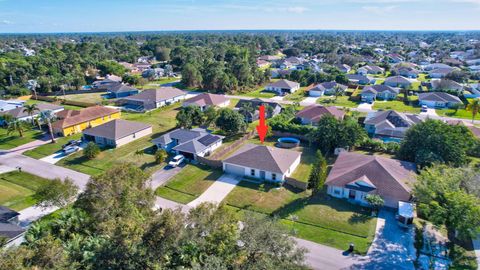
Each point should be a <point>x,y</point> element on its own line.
<point>176,160</point>
<point>424,108</point>
<point>70,149</point>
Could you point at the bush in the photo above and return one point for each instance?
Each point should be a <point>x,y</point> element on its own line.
<point>160,156</point>
<point>379,146</point>
<point>91,151</point>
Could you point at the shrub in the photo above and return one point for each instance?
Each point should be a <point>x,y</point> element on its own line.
<point>91,151</point>
<point>160,156</point>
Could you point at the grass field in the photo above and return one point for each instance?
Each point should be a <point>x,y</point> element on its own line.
<point>87,97</point>
<point>395,105</point>
<point>297,96</point>
<point>17,189</point>
<point>260,92</point>
<point>12,140</point>
<point>342,101</point>
<point>189,183</point>
<point>50,148</point>
<point>67,107</point>
<point>319,218</point>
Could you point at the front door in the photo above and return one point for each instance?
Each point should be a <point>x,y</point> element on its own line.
<point>262,175</point>
<point>351,194</point>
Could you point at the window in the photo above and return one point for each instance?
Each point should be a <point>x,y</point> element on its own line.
<point>336,191</point>
<point>274,176</point>
<point>252,172</point>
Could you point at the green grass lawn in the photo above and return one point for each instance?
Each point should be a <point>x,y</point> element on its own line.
<point>67,107</point>
<point>86,97</point>
<point>12,140</point>
<point>320,218</point>
<point>17,189</point>
<point>259,93</point>
<point>396,105</point>
<point>155,83</point>
<point>461,113</point>
<point>189,183</point>
<point>342,101</point>
<point>233,103</point>
<point>297,96</point>
<point>51,148</point>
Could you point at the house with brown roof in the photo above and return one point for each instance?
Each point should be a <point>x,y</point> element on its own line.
<point>355,175</point>
<point>262,162</point>
<point>152,98</point>
<point>312,114</point>
<point>283,87</point>
<point>75,121</point>
<point>206,100</point>
<point>116,133</point>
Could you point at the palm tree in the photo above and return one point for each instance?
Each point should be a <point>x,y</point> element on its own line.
<point>16,126</point>
<point>30,109</point>
<point>474,107</point>
<point>48,117</point>
<point>338,92</point>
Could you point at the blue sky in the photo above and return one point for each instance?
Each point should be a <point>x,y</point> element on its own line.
<point>141,15</point>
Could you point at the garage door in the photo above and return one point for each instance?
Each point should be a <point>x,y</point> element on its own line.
<point>237,170</point>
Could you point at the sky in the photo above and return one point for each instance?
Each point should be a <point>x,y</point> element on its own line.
<point>40,16</point>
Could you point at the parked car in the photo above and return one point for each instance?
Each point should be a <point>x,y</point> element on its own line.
<point>70,149</point>
<point>176,160</point>
<point>424,108</point>
<point>71,143</point>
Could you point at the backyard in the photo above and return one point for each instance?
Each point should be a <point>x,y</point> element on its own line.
<point>17,189</point>
<point>86,97</point>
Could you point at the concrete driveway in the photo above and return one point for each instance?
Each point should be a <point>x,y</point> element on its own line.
<point>218,190</point>
<point>309,101</point>
<point>365,107</point>
<point>160,177</point>
<point>392,247</point>
<point>430,113</point>
<point>59,155</point>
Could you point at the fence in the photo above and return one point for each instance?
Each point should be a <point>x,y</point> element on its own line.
<point>214,163</point>
<point>295,183</point>
<point>65,101</point>
<point>72,92</point>
<point>224,150</point>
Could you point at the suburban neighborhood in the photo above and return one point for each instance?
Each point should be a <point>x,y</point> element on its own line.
<point>240,150</point>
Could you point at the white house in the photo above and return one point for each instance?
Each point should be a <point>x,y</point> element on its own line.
<point>326,88</point>
<point>438,100</point>
<point>20,113</point>
<point>283,87</point>
<point>6,105</point>
<point>206,100</point>
<point>117,132</point>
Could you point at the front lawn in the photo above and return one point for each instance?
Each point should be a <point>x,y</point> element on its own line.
<point>17,189</point>
<point>297,96</point>
<point>259,93</point>
<point>189,183</point>
<point>12,140</point>
<point>396,105</point>
<point>320,218</point>
<point>50,148</point>
<point>342,101</point>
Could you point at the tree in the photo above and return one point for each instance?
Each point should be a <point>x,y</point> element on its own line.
<point>160,156</point>
<point>15,125</point>
<point>111,67</point>
<point>30,109</point>
<point>474,107</point>
<point>91,151</point>
<point>191,76</point>
<point>56,193</point>
<point>162,54</point>
<point>457,75</point>
<point>318,173</point>
<point>439,143</point>
<point>209,116</point>
<point>375,201</point>
<point>189,116</point>
<point>48,117</point>
<point>230,121</point>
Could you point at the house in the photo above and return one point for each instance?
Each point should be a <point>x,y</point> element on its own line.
<point>262,162</point>
<point>313,113</point>
<point>75,121</point>
<point>105,84</point>
<point>445,84</point>
<point>7,105</point>
<point>283,87</point>
<point>249,108</point>
<point>191,143</point>
<point>326,88</point>
<point>120,90</point>
<point>395,58</point>
<point>440,72</point>
<point>398,81</point>
<point>153,98</point>
<point>269,58</point>
<point>9,225</point>
<point>407,72</point>
<point>365,70</point>
<point>343,68</point>
<point>262,63</point>
<point>206,100</point>
<point>359,79</point>
<point>276,73</point>
<point>389,123</point>
<point>436,66</point>
<point>116,133</point>
<point>438,100</point>
<point>379,91</point>
<point>20,113</point>
<point>355,175</point>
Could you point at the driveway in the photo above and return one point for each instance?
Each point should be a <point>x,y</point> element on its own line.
<point>309,101</point>
<point>160,177</point>
<point>218,190</point>
<point>277,98</point>
<point>430,113</point>
<point>28,146</point>
<point>365,107</point>
<point>59,155</point>
<point>392,247</point>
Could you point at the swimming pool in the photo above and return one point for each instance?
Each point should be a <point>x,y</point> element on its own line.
<point>288,142</point>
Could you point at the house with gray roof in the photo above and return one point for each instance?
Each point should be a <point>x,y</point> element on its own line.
<point>438,100</point>
<point>6,105</point>
<point>191,143</point>
<point>262,162</point>
<point>379,91</point>
<point>20,113</point>
<point>440,72</point>
<point>445,84</point>
<point>354,176</point>
<point>152,98</point>
<point>359,79</point>
<point>389,123</point>
<point>9,225</point>
<point>326,88</point>
<point>398,81</point>
<point>370,69</point>
<point>121,90</point>
<point>205,100</point>
<point>116,133</point>
<point>249,108</point>
<point>312,114</point>
<point>283,87</point>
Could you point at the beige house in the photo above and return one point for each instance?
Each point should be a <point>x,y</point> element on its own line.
<point>206,100</point>
<point>117,133</point>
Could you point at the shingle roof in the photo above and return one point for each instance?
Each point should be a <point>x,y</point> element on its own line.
<point>6,214</point>
<point>116,129</point>
<point>121,88</point>
<point>438,96</point>
<point>398,79</point>
<point>327,85</point>
<point>357,77</point>
<point>157,95</point>
<point>19,112</point>
<point>380,88</point>
<point>315,112</point>
<point>10,230</point>
<point>256,103</point>
<point>391,177</point>
<point>180,134</point>
<point>284,84</point>
<point>74,117</point>
<point>207,99</point>
<point>198,144</point>
<point>441,71</point>
<point>265,158</point>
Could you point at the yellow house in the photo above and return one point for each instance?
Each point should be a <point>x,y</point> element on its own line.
<point>73,122</point>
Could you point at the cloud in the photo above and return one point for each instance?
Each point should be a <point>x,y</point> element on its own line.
<point>379,10</point>
<point>6,22</point>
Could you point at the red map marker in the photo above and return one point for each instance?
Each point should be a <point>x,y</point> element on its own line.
<point>262,127</point>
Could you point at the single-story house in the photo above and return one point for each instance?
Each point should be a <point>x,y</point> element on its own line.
<point>276,73</point>
<point>120,90</point>
<point>7,105</point>
<point>116,133</point>
<point>355,175</point>
<point>249,108</point>
<point>312,114</point>
<point>438,100</point>
<point>395,58</point>
<point>191,143</point>
<point>9,227</point>
<point>398,81</point>
<point>325,88</point>
<point>445,84</point>
<point>75,121</point>
<point>262,162</point>
<point>440,72</point>
<point>153,98</point>
<point>206,100</point>
<point>283,87</point>
<point>370,69</point>
<point>105,84</point>
<point>359,79</point>
<point>389,123</point>
<point>343,68</point>
<point>436,66</point>
<point>379,91</point>
<point>407,72</point>
<point>20,113</point>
